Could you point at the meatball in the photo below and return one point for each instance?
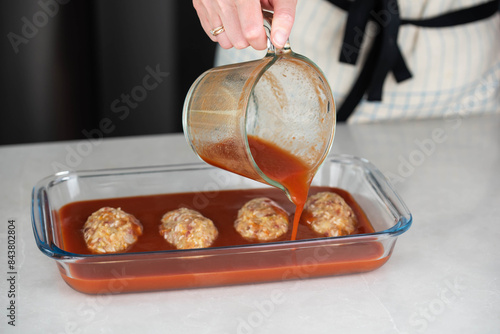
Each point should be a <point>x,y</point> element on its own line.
<point>186,228</point>
<point>110,230</point>
<point>328,214</point>
<point>261,219</point>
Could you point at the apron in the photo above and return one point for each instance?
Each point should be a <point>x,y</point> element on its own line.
<point>410,59</point>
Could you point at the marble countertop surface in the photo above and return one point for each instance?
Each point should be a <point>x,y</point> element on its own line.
<point>443,276</point>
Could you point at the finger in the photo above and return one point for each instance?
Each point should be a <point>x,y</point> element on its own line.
<point>215,21</point>
<point>224,41</point>
<point>252,23</point>
<point>207,27</point>
<point>229,16</point>
<point>209,19</point>
<point>283,18</point>
<point>202,13</point>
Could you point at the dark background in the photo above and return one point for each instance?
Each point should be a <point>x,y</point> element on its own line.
<point>83,55</point>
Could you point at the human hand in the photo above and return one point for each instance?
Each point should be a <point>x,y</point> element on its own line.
<point>243,23</point>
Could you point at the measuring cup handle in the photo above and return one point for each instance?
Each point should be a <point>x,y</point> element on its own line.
<point>271,49</point>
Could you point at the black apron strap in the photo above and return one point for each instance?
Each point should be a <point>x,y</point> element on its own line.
<point>388,51</point>
<point>462,16</point>
<point>358,16</point>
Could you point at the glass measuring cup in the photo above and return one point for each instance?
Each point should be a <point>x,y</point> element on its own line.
<point>282,99</point>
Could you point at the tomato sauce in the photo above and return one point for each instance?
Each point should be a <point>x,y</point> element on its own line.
<point>222,208</point>
<point>275,162</point>
<point>287,170</point>
<point>147,270</point>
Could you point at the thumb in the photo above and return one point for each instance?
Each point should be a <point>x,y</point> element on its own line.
<point>283,18</point>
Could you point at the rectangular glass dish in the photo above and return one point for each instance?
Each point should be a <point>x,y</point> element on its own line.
<point>214,266</point>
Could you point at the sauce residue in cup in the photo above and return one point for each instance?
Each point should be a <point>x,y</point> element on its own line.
<point>285,168</point>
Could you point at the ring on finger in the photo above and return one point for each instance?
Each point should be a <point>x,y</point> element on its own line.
<point>217,31</point>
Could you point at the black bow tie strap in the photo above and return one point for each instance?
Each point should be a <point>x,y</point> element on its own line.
<point>385,55</point>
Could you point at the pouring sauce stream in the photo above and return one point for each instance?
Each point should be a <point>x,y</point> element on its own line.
<point>285,168</point>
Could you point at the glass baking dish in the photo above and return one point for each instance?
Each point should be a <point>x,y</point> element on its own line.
<point>176,269</point>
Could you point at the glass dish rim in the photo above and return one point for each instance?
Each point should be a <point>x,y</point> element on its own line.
<point>403,223</point>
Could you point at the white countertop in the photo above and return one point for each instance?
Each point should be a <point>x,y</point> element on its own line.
<point>443,277</point>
